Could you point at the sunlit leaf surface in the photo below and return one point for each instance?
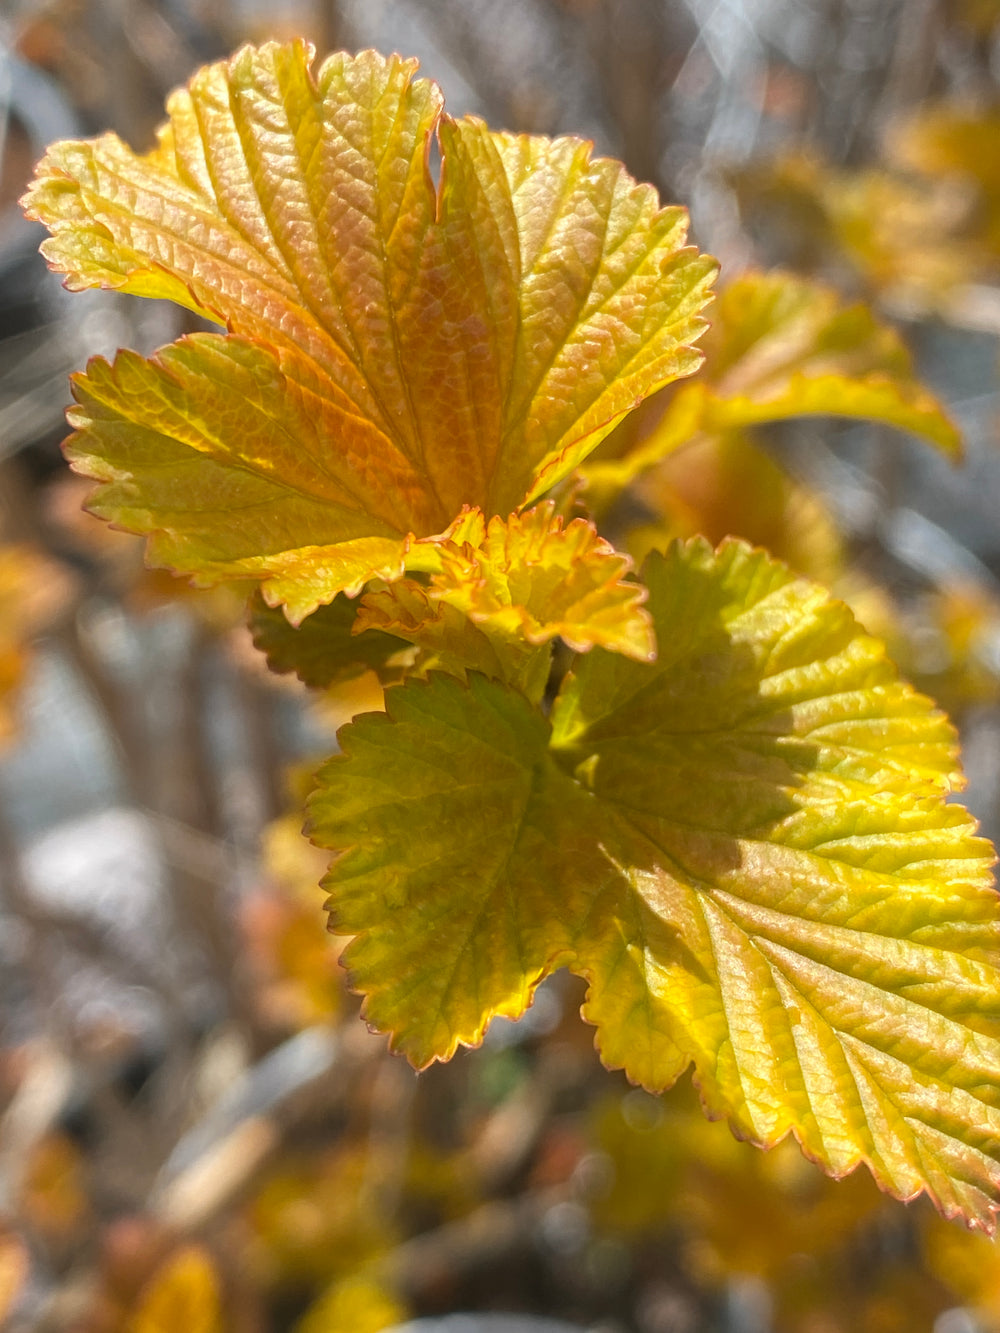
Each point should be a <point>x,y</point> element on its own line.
<point>396,349</point>
<point>533,579</point>
<point>449,641</point>
<point>744,847</point>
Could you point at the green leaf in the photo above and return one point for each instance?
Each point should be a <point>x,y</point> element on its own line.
<point>395,351</point>
<point>744,847</point>
<point>455,824</point>
<point>783,346</point>
<point>324,650</point>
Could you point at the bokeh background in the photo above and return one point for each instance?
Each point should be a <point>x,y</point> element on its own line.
<point>197,1134</point>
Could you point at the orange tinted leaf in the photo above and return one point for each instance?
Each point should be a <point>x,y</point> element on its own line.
<point>213,449</point>
<point>55,1198</point>
<point>500,591</point>
<point>34,590</point>
<point>395,352</point>
<point>532,578</point>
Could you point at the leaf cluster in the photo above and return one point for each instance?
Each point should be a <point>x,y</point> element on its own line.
<point>704,788</point>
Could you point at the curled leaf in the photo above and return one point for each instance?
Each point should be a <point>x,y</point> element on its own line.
<point>500,591</point>
<point>529,577</point>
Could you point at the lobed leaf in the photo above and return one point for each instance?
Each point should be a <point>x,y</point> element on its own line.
<point>744,847</point>
<point>396,351</point>
<point>783,346</point>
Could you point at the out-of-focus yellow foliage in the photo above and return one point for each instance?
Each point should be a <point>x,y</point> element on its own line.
<point>954,650</point>
<point>14,1265</point>
<point>291,860</point>
<point>900,234</point>
<point>982,16</point>
<point>725,486</point>
<point>330,1218</point>
<point>947,640</point>
<point>736,1214</point>
<point>33,591</point>
<point>338,705</point>
<point>353,1306</point>
<point>969,1265</point>
<point>915,230</point>
<point>183,1297</point>
<point>672,1167</point>
<point>300,979</point>
<point>959,145</point>
<point>313,1220</point>
<point>54,1192</point>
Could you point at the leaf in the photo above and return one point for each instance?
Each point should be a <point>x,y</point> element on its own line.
<point>225,461</point>
<point>905,236</point>
<point>450,641</point>
<point>744,848</point>
<point>34,591</point>
<point>55,1200</point>
<point>313,1219</point>
<point>532,579</point>
<point>740,1211</point>
<point>499,591</point>
<point>395,351</point>
<point>184,1294</point>
<point>783,346</point>
<point>323,650</point>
